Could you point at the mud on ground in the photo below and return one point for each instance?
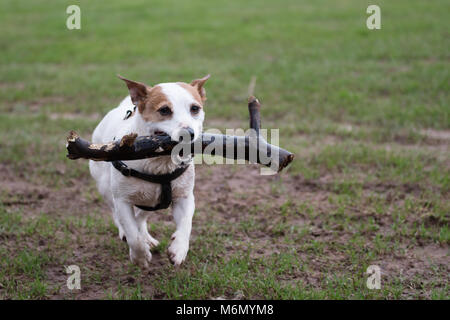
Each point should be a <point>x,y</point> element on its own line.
<point>324,237</point>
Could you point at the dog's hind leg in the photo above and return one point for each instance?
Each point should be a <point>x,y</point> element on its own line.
<point>183,211</point>
<point>141,220</point>
<point>139,248</point>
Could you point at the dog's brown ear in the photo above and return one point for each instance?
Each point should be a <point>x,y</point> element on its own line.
<point>198,84</point>
<point>138,90</point>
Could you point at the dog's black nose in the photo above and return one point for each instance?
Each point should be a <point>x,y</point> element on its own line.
<point>188,132</point>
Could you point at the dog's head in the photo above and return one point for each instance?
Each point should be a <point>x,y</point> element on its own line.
<point>174,108</point>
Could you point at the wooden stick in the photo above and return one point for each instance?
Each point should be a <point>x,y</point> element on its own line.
<point>253,147</point>
<point>254,108</point>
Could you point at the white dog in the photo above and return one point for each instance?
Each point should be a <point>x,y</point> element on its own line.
<point>166,108</point>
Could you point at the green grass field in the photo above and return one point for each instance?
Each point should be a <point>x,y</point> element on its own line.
<point>366,113</point>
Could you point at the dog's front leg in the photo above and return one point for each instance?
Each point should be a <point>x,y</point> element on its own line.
<point>183,211</point>
<point>139,248</point>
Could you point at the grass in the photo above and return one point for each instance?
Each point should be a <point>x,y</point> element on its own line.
<point>365,112</point>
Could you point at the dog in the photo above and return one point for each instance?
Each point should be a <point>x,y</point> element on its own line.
<point>166,108</point>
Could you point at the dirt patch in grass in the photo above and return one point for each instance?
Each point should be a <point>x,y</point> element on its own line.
<point>18,193</point>
<point>36,105</point>
<point>72,116</point>
<point>417,269</point>
<point>437,134</point>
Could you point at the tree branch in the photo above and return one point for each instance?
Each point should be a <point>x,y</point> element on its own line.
<point>253,148</point>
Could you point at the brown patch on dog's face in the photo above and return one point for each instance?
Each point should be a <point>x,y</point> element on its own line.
<point>154,105</point>
<point>151,108</point>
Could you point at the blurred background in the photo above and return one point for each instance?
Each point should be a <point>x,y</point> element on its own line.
<point>365,111</point>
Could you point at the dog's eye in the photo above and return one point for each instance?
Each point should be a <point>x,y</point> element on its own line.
<point>165,111</point>
<point>195,109</point>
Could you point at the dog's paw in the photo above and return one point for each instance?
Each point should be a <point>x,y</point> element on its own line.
<point>178,249</point>
<point>152,242</point>
<point>141,256</point>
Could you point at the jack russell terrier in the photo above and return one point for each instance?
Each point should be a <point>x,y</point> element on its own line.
<point>133,189</point>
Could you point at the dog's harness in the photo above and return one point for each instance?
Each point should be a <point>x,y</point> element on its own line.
<point>163,179</point>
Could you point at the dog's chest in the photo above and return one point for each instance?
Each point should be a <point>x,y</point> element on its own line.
<point>140,192</point>
<point>144,193</point>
